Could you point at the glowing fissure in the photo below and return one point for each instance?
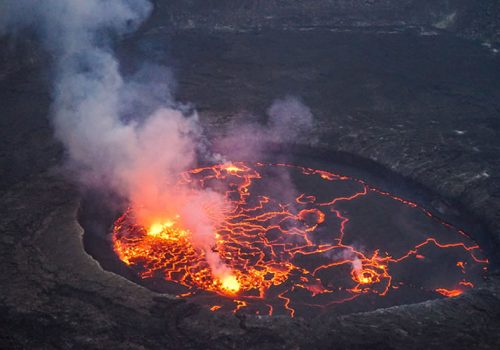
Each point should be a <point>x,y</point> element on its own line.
<point>272,251</point>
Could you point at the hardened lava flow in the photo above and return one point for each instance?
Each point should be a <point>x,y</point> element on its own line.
<point>325,241</point>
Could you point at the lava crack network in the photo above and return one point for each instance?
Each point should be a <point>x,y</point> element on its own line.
<point>299,239</point>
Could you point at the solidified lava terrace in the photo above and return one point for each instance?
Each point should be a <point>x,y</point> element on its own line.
<point>301,241</point>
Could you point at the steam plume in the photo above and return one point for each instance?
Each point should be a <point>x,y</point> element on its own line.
<point>128,135</point>
<point>139,156</point>
<point>289,120</point>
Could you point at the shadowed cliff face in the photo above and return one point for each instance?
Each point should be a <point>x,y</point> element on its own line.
<point>475,19</point>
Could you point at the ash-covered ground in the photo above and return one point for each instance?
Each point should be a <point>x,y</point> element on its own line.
<point>419,102</point>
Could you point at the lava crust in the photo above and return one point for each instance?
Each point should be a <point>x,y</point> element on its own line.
<point>299,241</point>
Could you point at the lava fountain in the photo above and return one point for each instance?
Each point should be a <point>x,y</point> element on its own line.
<point>331,241</point>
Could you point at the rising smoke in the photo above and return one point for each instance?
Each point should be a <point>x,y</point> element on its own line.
<point>127,135</point>
<point>289,120</point>
<point>138,157</point>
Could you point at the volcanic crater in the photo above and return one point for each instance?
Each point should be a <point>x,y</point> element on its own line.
<point>301,235</point>
<point>410,86</point>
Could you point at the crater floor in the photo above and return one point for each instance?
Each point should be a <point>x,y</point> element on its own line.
<point>296,241</point>
<point>425,106</point>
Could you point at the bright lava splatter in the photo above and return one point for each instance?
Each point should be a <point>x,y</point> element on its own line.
<point>290,251</point>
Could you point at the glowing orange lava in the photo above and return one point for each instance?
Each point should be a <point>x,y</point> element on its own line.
<point>230,284</point>
<point>449,292</point>
<point>283,255</point>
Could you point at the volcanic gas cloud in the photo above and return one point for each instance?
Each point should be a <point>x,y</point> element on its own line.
<point>122,134</point>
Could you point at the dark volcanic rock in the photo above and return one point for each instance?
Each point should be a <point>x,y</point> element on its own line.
<point>481,21</point>
<point>478,19</point>
<point>426,107</point>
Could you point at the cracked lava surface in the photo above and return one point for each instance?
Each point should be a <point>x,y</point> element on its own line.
<point>299,241</point>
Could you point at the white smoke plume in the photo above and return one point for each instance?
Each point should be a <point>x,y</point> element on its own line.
<point>289,118</point>
<point>127,135</point>
<point>289,121</point>
<point>136,156</point>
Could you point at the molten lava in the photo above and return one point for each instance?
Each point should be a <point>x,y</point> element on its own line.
<point>230,284</point>
<point>449,292</point>
<point>282,255</point>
